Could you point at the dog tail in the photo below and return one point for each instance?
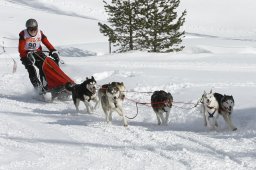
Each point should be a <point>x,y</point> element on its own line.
<point>69,86</point>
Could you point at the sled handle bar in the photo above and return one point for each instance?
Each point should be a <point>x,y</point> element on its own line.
<point>34,51</point>
<point>45,51</point>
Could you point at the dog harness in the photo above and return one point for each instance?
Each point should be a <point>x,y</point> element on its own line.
<point>211,114</point>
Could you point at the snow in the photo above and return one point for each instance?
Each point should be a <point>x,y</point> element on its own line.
<point>219,55</point>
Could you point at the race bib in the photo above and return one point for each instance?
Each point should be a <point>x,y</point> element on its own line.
<point>32,43</point>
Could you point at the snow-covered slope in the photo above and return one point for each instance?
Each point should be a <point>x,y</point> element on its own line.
<point>220,55</point>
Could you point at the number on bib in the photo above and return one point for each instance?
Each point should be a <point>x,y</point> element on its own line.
<point>32,45</point>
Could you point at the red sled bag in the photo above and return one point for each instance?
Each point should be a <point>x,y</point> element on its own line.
<point>54,76</point>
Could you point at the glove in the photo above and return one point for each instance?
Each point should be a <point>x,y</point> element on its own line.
<point>30,57</point>
<point>55,55</point>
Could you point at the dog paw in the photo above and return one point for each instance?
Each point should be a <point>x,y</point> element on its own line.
<point>125,125</point>
<point>109,122</point>
<point>88,112</point>
<point>234,129</point>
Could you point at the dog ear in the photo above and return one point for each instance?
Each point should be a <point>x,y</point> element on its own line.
<point>204,93</point>
<point>211,91</point>
<point>222,98</point>
<point>92,77</point>
<point>233,99</point>
<point>86,78</point>
<point>169,94</point>
<point>113,83</point>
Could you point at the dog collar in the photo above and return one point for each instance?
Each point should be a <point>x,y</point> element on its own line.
<point>210,107</point>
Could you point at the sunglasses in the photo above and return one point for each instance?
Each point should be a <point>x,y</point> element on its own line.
<point>32,28</point>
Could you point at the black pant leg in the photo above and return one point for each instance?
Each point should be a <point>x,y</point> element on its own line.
<point>39,60</point>
<point>31,71</point>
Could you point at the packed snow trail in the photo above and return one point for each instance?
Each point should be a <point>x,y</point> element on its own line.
<point>52,136</point>
<point>219,55</point>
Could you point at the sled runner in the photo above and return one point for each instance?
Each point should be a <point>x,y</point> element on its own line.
<point>55,78</point>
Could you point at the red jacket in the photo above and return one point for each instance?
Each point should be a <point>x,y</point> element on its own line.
<point>24,37</point>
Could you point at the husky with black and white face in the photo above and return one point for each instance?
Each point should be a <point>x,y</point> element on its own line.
<point>210,107</point>
<point>226,104</point>
<point>84,92</point>
<point>111,97</point>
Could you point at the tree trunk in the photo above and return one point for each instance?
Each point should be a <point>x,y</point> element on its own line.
<point>109,47</point>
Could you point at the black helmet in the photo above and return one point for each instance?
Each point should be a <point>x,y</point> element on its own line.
<point>31,23</point>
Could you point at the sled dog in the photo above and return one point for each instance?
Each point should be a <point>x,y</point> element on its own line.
<point>84,92</point>
<point>226,105</point>
<point>161,103</point>
<point>111,97</point>
<point>209,108</point>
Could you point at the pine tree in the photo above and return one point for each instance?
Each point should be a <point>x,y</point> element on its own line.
<point>122,24</point>
<point>159,28</point>
<point>153,25</point>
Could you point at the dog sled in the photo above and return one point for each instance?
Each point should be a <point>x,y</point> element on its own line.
<point>56,79</point>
